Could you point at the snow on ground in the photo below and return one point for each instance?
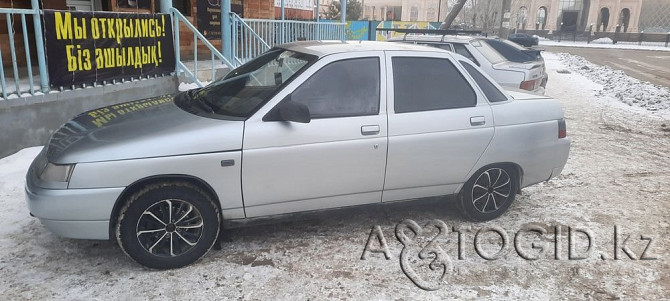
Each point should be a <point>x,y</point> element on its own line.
<point>628,90</point>
<point>617,175</point>
<point>603,41</point>
<point>620,45</point>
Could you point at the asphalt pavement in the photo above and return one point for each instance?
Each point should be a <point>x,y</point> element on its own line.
<point>647,65</point>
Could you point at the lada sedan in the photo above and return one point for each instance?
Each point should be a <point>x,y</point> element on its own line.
<point>305,126</point>
<point>507,63</point>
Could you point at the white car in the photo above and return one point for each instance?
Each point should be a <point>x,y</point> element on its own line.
<point>509,64</point>
<point>305,126</point>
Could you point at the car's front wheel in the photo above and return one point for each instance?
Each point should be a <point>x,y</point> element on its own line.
<point>168,225</point>
<point>489,193</point>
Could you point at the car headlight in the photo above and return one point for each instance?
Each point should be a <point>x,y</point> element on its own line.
<point>56,173</point>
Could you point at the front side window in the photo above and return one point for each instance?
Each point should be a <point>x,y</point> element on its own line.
<point>242,91</point>
<point>426,84</point>
<point>343,88</point>
<point>490,90</point>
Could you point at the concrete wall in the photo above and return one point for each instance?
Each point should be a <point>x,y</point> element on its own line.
<point>26,122</point>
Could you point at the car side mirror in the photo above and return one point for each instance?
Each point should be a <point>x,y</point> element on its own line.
<point>294,111</point>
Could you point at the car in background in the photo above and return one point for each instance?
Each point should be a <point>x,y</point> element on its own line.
<point>524,39</point>
<point>508,65</point>
<point>305,126</point>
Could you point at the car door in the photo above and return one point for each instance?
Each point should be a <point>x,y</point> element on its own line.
<point>338,158</point>
<point>439,125</point>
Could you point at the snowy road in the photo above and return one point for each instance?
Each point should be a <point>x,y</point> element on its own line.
<point>617,175</point>
<point>652,66</point>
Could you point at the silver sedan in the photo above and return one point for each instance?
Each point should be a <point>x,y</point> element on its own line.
<point>305,126</point>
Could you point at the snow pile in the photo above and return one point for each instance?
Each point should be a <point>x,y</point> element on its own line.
<point>603,41</point>
<point>622,87</point>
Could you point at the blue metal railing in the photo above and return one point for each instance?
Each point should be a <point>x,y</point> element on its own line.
<point>23,84</point>
<point>178,18</point>
<point>246,43</point>
<point>252,37</point>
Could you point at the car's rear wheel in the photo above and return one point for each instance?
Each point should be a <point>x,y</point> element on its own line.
<point>168,225</point>
<point>489,193</point>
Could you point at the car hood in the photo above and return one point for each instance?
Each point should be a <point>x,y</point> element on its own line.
<point>154,127</point>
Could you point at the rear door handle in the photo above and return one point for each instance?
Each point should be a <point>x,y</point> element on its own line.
<point>477,120</point>
<point>367,130</point>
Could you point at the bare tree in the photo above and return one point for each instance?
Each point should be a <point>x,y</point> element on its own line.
<point>456,9</point>
<point>480,14</point>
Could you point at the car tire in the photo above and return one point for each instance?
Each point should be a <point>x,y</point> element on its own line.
<point>488,193</point>
<point>168,225</point>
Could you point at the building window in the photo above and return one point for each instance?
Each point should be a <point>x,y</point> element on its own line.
<point>572,4</point>
<point>183,6</point>
<point>414,13</point>
<point>624,19</point>
<point>140,6</point>
<point>603,19</point>
<point>541,18</point>
<point>522,17</point>
<point>430,14</point>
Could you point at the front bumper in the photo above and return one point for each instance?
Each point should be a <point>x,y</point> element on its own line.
<point>73,213</point>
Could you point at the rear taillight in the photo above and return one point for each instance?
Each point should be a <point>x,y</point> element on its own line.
<point>562,132</point>
<point>528,85</point>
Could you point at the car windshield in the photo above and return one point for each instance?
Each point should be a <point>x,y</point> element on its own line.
<point>241,92</point>
<point>509,50</point>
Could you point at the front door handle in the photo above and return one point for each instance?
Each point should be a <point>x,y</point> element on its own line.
<point>367,130</point>
<point>477,120</point>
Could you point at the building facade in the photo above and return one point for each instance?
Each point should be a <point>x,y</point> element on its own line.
<point>405,10</point>
<point>576,15</point>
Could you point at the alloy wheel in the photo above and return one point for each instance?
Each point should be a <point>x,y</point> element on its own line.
<point>169,228</point>
<point>491,190</point>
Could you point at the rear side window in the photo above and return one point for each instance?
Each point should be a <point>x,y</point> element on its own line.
<point>341,89</point>
<point>426,84</point>
<point>460,49</point>
<point>491,92</point>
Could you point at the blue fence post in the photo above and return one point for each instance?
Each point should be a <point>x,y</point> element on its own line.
<point>12,51</point>
<point>26,45</point>
<point>226,34</point>
<point>343,11</point>
<point>39,44</point>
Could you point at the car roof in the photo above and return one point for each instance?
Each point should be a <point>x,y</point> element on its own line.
<point>436,38</point>
<point>323,48</point>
